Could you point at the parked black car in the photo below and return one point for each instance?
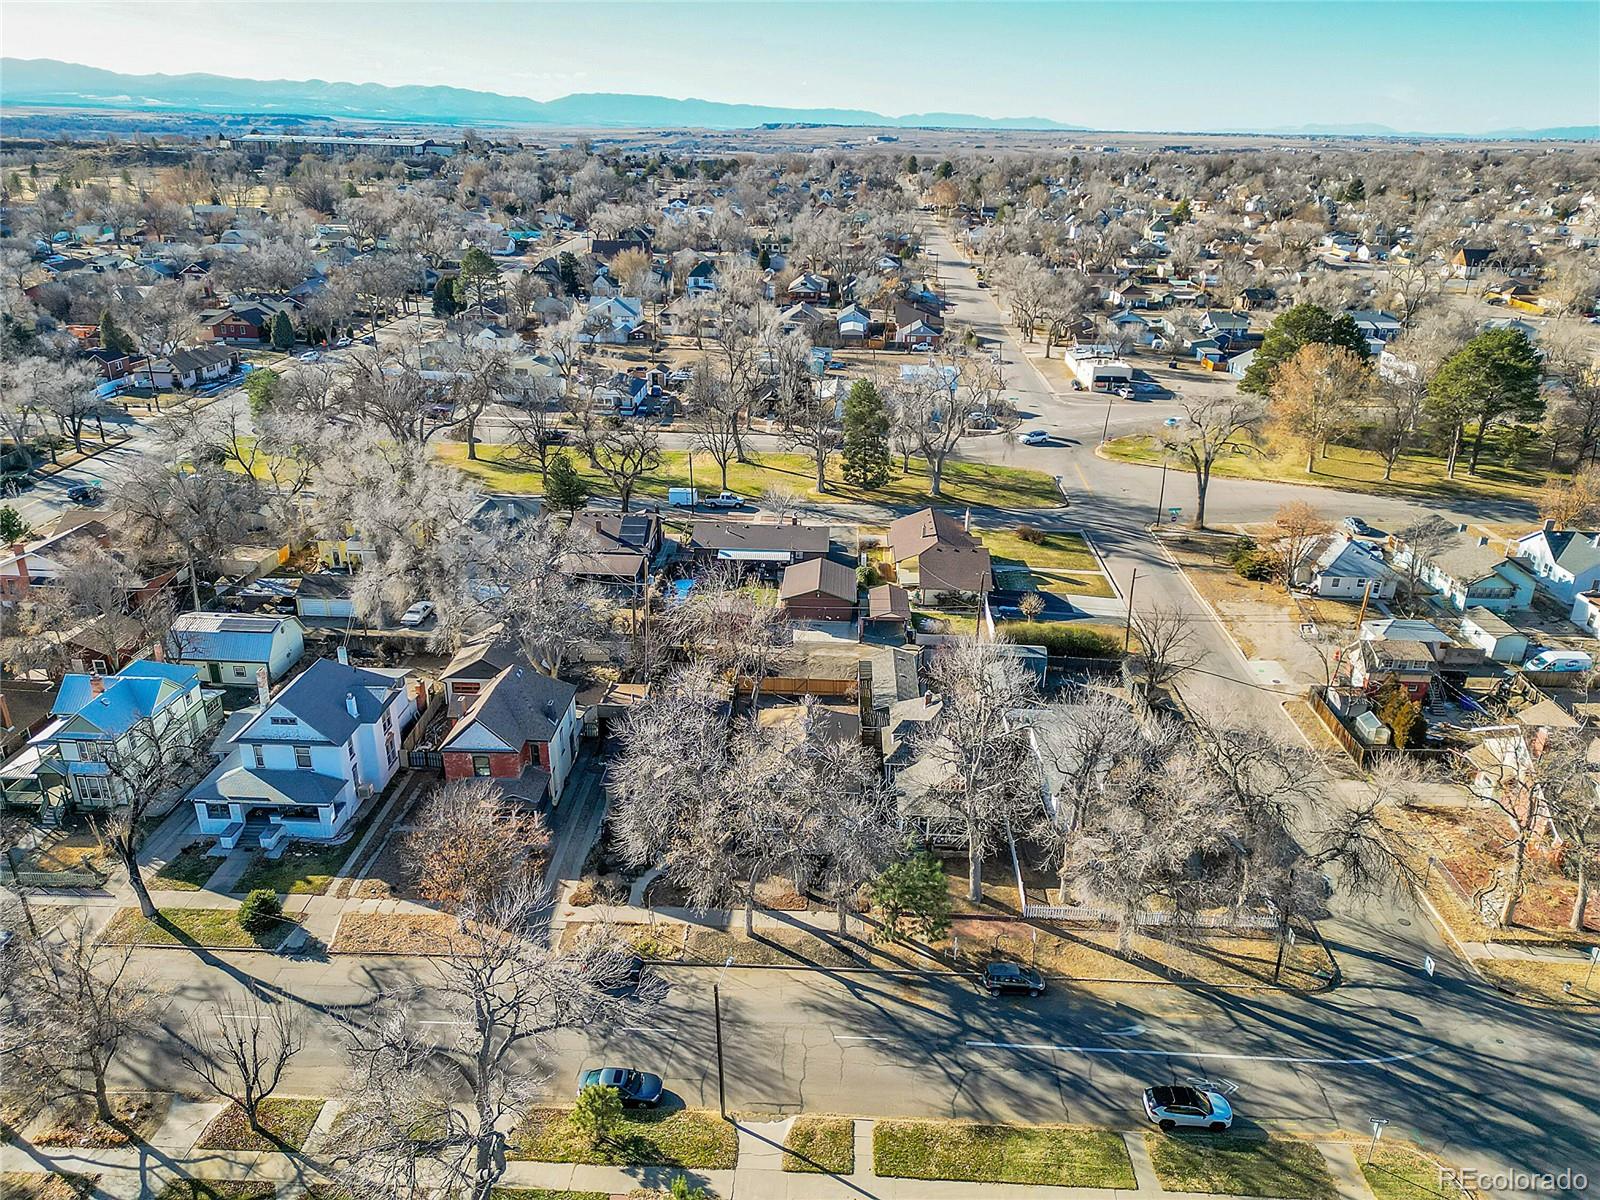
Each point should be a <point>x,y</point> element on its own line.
<point>1009,979</point>
<point>638,1089</point>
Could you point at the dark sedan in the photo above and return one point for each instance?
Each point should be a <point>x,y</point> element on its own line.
<point>1011,979</point>
<point>638,1089</point>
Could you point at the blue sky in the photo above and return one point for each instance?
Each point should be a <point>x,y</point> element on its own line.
<point>1430,65</point>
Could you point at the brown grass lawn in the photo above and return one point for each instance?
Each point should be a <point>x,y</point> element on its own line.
<point>1240,1165</point>
<point>285,1121</point>
<point>37,1185</point>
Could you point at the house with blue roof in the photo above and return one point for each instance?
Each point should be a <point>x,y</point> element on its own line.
<point>99,721</point>
<point>305,764</point>
<point>230,648</point>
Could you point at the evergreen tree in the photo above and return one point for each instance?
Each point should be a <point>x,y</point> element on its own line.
<point>868,463</point>
<point>1182,211</point>
<point>12,527</point>
<point>444,298</point>
<point>1492,380</point>
<point>259,389</point>
<point>564,488</point>
<point>112,336</point>
<point>1300,326</point>
<point>282,332</point>
<point>913,898</point>
<point>911,164</point>
<point>1355,191</point>
<point>765,260</point>
<point>477,280</point>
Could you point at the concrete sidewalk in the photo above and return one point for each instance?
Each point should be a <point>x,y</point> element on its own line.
<point>128,1173</point>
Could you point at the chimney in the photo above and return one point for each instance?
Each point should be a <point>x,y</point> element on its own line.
<point>1549,524</point>
<point>263,686</point>
<point>350,704</point>
<point>343,654</point>
<point>966,521</point>
<point>97,683</point>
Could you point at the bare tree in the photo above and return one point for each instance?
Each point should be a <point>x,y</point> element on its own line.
<point>506,994</point>
<point>76,1004</point>
<point>1167,643</point>
<point>241,1055</point>
<point>1158,813</point>
<point>623,453</point>
<point>1297,530</point>
<point>980,759</point>
<point>713,412</point>
<point>1207,431</point>
<point>470,842</point>
<point>148,767</point>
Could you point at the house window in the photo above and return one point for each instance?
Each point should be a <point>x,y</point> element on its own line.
<point>302,757</point>
<point>239,671</point>
<point>283,720</point>
<point>93,788</point>
<point>218,812</point>
<point>480,764</point>
<point>261,759</point>
<point>388,723</point>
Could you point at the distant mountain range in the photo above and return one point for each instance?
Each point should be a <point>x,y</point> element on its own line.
<point>47,81</point>
<point>1552,132</point>
<point>50,82</point>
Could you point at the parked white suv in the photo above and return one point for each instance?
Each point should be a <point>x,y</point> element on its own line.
<point>1181,1107</point>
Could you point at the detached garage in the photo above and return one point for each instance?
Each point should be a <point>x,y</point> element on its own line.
<point>325,597</point>
<point>818,590</point>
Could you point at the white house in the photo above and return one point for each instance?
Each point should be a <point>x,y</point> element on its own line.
<point>853,323</point>
<point>105,730</point>
<point>613,321</point>
<point>1491,633</point>
<point>229,648</point>
<point>306,763</point>
<point>1471,571</point>
<point>1343,569</point>
<point>1566,562</point>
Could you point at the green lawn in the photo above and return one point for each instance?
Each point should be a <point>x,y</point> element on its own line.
<point>958,622</point>
<point>1058,1155</point>
<point>288,1121</point>
<point>1354,470</point>
<point>188,870</point>
<point>1238,1165</point>
<point>821,1145</point>
<point>1401,1172</point>
<point>306,868</point>
<point>216,928</point>
<point>667,1136</point>
<point>1060,550</point>
<point>963,483</point>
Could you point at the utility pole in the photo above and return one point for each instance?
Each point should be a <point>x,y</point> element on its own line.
<point>716,1017</point>
<point>1161,496</point>
<point>1127,631</point>
<point>1105,429</point>
<point>1365,596</point>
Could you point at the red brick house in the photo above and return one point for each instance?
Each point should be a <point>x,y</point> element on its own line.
<point>522,731</point>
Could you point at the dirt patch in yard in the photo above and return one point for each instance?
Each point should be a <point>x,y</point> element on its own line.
<point>1468,843</point>
<point>74,1123</point>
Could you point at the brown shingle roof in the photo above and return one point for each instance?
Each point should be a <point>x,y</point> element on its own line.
<point>818,575</point>
<point>916,532</point>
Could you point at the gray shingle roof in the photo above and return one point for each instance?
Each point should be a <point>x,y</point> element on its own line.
<point>317,698</point>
